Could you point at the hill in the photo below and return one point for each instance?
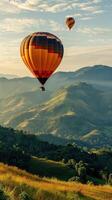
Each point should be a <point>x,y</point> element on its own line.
<point>98,75</point>
<point>74,105</point>
<point>16,86</point>
<point>49,168</point>
<point>71,113</point>
<point>63,162</point>
<point>9,76</point>
<point>16,183</point>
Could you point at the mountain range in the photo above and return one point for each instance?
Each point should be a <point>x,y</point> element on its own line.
<point>9,76</point>
<point>76,106</point>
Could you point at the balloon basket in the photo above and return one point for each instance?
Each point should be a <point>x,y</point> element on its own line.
<point>42,88</point>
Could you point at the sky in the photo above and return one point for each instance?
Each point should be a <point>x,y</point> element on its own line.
<point>87,44</point>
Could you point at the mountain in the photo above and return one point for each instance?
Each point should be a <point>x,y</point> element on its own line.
<point>16,86</point>
<point>9,76</point>
<point>97,73</point>
<point>16,104</point>
<point>75,106</point>
<point>71,113</point>
<point>100,76</point>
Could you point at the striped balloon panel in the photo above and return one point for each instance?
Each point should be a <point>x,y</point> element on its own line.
<point>42,53</point>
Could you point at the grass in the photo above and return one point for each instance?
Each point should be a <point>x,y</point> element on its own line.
<point>16,181</point>
<point>48,168</point>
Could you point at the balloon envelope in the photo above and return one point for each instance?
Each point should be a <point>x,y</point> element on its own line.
<point>42,53</point>
<point>70,21</point>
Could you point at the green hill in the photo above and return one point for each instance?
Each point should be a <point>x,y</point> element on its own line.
<point>11,106</point>
<point>68,110</point>
<point>62,162</point>
<point>49,168</point>
<point>71,113</point>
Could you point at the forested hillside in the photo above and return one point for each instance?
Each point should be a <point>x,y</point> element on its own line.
<point>19,149</point>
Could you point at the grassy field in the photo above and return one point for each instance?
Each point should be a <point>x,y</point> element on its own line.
<point>15,181</point>
<point>48,168</point>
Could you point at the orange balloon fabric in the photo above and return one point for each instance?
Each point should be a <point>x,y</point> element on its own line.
<point>42,53</point>
<point>70,21</point>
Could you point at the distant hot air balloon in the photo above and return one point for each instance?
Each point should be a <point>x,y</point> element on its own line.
<point>42,53</point>
<point>70,21</point>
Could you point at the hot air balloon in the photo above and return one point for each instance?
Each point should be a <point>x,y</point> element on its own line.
<point>42,53</point>
<point>70,21</point>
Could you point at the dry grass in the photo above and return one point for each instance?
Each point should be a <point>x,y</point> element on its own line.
<point>12,177</point>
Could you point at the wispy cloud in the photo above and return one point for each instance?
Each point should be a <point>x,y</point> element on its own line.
<point>16,25</point>
<point>94,31</point>
<point>7,7</point>
<point>57,6</point>
<point>98,12</point>
<point>82,10</point>
<point>40,5</point>
<point>86,18</point>
<point>27,24</point>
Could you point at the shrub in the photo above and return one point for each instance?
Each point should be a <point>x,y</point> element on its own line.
<point>90,183</point>
<point>71,163</point>
<point>3,196</point>
<point>24,196</point>
<point>110,179</point>
<point>75,178</point>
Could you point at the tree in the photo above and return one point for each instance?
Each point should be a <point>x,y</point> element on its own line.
<point>104,175</point>
<point>71,163</point>
<point>110,179</point>
<point>63,161</point>
<point>82,173</point>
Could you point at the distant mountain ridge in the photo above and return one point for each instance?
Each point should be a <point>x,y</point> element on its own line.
<point>8,76</point>
<point>74,105</point>
<point>99,75</point>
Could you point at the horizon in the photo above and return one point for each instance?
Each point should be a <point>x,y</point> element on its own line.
<point>31,76</point>
<point>88,43</point>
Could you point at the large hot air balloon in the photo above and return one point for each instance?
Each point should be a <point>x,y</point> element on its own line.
<point>42,53</point>
<point>70,21</point>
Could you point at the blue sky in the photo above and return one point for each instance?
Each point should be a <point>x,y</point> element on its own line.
<point>89,42</point>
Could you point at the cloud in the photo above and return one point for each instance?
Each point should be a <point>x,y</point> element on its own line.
<point>40,5</point>
<point>86,18</point>
<point>27,24</point>
<point>16,25</point>
<point>98,12</point>
<point>6,6</point>
<point>94,31</point>
<point>56,6</point>
<point>82,10</point>
<point>54,26</point>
